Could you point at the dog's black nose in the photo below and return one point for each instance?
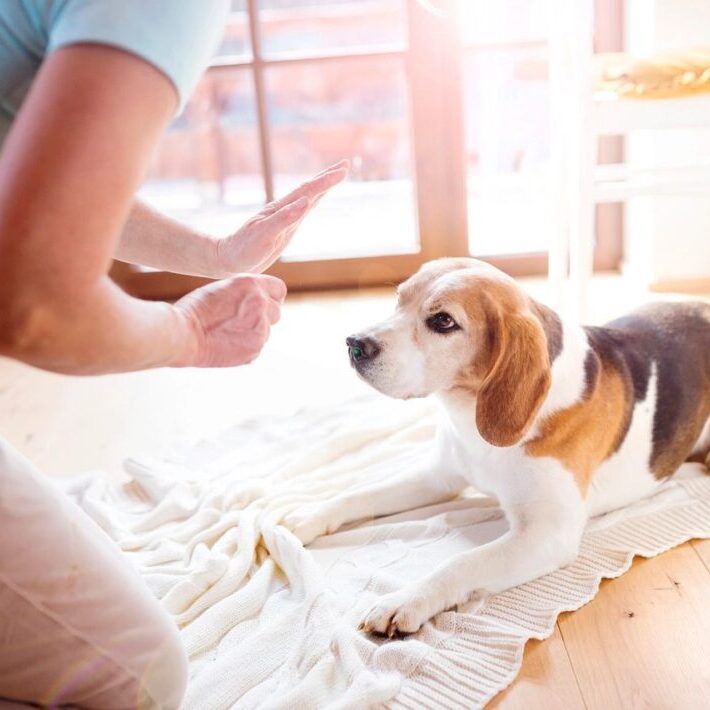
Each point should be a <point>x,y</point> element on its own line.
<point>361,349</point>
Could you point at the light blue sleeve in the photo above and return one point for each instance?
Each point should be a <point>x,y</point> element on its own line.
<point>179,37</point>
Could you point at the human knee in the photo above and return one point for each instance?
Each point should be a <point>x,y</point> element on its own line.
<point>150,671</point>
<point>165,679</point>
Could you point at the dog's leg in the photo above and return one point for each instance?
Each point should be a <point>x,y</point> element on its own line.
<point>428,484</point>
<point>541,538</point>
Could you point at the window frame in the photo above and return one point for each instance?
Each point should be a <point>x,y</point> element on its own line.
<point>436,118</point>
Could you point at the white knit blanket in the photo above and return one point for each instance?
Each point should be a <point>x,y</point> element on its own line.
<point>269,624</point>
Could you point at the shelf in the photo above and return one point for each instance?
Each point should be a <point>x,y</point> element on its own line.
<point>617,116</point>
<point>614,183</point>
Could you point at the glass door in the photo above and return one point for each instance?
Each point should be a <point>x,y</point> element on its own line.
<point>440,105</point>
<point>298,85</point>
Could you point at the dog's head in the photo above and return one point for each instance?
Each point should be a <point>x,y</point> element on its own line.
<point>461,324</point>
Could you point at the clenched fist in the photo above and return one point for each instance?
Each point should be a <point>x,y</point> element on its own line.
<point>228,322</point>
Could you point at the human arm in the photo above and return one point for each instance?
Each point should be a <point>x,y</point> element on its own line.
<point>153,239</point>
<point>69,168</point>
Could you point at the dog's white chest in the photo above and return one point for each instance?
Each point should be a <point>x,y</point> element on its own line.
<point>489,469</point>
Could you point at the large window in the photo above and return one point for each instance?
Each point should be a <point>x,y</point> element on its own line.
<point>441,106</point>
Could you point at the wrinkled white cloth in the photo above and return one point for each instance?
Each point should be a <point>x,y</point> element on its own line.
<point>269,624</point>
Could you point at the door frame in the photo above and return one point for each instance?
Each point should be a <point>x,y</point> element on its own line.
<point>436,122</point>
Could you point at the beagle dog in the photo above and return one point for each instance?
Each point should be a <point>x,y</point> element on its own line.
<point>557,422</point>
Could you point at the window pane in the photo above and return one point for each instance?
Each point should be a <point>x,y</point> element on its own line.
<point>357,109</point>
<point>305,26</point>
<point>236,41</point>
<point>507,147</point>
<point>207,169</point>
<point>487,22</point>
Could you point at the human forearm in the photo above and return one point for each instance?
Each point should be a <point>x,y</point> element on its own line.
<point>153,239</point>
<point>150,238</point>
<point>103,331</point>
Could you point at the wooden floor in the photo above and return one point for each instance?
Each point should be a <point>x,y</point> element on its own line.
<point>643,642</point>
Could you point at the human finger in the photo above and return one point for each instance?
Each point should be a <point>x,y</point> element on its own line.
<point>274,286</point>
<point>273,311</point>
<point>316,185</point>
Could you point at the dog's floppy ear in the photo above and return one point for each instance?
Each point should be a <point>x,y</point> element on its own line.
<point>516,384</point>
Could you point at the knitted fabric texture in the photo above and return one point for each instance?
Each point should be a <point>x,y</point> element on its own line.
<point>269,624</point>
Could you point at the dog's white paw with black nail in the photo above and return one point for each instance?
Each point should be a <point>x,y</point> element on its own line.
<point>396,614</point>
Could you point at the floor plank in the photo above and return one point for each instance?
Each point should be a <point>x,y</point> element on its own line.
<point>644,641</point>
<point>702,548</point>
<point>546,680</point>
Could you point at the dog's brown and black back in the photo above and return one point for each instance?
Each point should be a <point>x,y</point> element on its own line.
<point>676,338</point>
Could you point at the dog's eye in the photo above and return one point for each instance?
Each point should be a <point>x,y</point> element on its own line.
<point>441,323</point>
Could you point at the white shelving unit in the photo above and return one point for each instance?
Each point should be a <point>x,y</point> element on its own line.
<point>613,116</point>
<point>579,117</point>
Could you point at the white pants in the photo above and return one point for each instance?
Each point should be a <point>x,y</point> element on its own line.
<point>77,624</point>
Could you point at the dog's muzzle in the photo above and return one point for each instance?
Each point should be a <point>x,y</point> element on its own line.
<point>362,351</point>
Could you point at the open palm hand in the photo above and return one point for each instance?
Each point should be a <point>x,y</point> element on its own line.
<point>258,244</point>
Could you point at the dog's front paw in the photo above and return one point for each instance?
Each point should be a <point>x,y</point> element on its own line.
<point>312,521</point>
<point>396,614</point>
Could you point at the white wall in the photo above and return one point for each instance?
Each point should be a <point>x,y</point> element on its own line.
<point>667,238</point>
